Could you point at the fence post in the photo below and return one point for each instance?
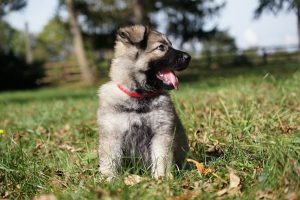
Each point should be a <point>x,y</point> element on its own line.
<point>265,56</point>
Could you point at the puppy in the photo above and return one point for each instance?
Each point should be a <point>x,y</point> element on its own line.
<point>136,116</point>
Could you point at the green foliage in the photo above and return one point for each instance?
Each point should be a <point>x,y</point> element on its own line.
<point>7,6</point>
<point>15,73</point>
<point>275,6</point>
<point>11,39</point>
<point>55,40</point>
<point>241,119</point>
<point>100,19</point>
<point>219,50</point>
<point>18,43</point>
<point>186,19</point>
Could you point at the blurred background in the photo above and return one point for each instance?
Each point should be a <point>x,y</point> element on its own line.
<point>57,42</point>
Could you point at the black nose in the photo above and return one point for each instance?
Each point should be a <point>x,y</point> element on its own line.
<point>186,57</point>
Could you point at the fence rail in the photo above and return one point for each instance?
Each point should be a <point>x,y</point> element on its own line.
<point>68,71</point>
<point>61,72</point>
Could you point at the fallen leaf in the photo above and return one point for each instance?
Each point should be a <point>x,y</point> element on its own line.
<point>184,196</point>
<point>4,195</point>
<point>45,197</point>
<point>292,196</point>
<point>41,130</point>
<point>234,180</point>
<point>186,183</point>
<point>214,150</point>
<point>37,147</point>
<point>207,186</point>
<point>200,167</point>
<point>222,192</point>
<point>65,130</point>
<point>59,173</point>
<point>102,193</point>
<point>132,179</point>
<point>70,148</point>
<point>295,165</point>
<point>265,194</point>
<point>234,186</point>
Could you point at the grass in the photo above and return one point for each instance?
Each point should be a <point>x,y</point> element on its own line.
<point>244,121</point>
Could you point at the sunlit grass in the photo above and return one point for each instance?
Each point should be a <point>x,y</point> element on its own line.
<point>245,120</point>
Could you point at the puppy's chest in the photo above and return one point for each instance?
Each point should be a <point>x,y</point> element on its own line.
<point>137,137</point>
<point>142,117</point>
<point>144,120</point>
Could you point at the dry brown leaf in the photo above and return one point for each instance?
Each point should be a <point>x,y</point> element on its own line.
<point>295,165</point>
<point>133,179</point>
<point>102,193</point>
<point>229,191</point>
<point>222,192</point>
<point>265,194</point>
<point>186,183</point>
<point>234,186</point>
<point>4,195</point>
<point>292,196</point>
<point>45,197</point>
<point>234,180</point>
<point>41,130</point>
<point>184,196</point>
<point>70,148</point>
<point>204,171</point>
<point>234,191</point>
<point>207,186</point>
<point>37,147</point>
<point>59,173</point>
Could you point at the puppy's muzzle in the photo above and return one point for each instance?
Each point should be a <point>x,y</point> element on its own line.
<point>183,60</point>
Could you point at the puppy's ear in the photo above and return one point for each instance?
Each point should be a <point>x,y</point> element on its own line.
<point>134,35</point>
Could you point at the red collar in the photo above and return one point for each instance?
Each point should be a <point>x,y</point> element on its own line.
<point>137,94</point>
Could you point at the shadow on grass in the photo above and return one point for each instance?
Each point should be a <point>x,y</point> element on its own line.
<point>46,95</point>
<point>193,74</point>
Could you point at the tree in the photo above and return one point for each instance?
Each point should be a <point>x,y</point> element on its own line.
<point>275,6</point>
<point>6,35</point>
<point>54,41</point>
<point>87,73</point>
<point>100,19</point>
<point>7,6</point>
<point>186,19</point>
<point>11,39</point>
<point>219,49</point>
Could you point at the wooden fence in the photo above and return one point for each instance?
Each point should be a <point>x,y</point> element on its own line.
<point>68,71</point>
<point>60,72</point>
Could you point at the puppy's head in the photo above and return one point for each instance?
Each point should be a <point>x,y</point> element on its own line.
<point>145,59</point>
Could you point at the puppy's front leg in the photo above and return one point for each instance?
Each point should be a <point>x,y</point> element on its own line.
<point>161,155</point>
<point>110,156</point>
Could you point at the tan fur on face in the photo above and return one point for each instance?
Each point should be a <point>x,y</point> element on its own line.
<point>129,58</point>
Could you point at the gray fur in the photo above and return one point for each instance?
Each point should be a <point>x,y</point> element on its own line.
<point>132,127</point>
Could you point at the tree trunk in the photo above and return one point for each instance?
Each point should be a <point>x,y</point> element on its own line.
<point>29,57</point>
<point>298,27</point>
<point>87,73</point>
<point>138,12</point>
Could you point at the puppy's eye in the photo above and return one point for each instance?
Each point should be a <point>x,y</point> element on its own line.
<point>162,47</point>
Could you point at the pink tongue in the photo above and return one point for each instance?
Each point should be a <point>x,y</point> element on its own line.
<point>168,74</point>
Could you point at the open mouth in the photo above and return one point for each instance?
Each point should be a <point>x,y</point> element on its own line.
<point>168,77</point>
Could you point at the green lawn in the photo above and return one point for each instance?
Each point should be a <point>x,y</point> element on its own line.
<point>243,121</point>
